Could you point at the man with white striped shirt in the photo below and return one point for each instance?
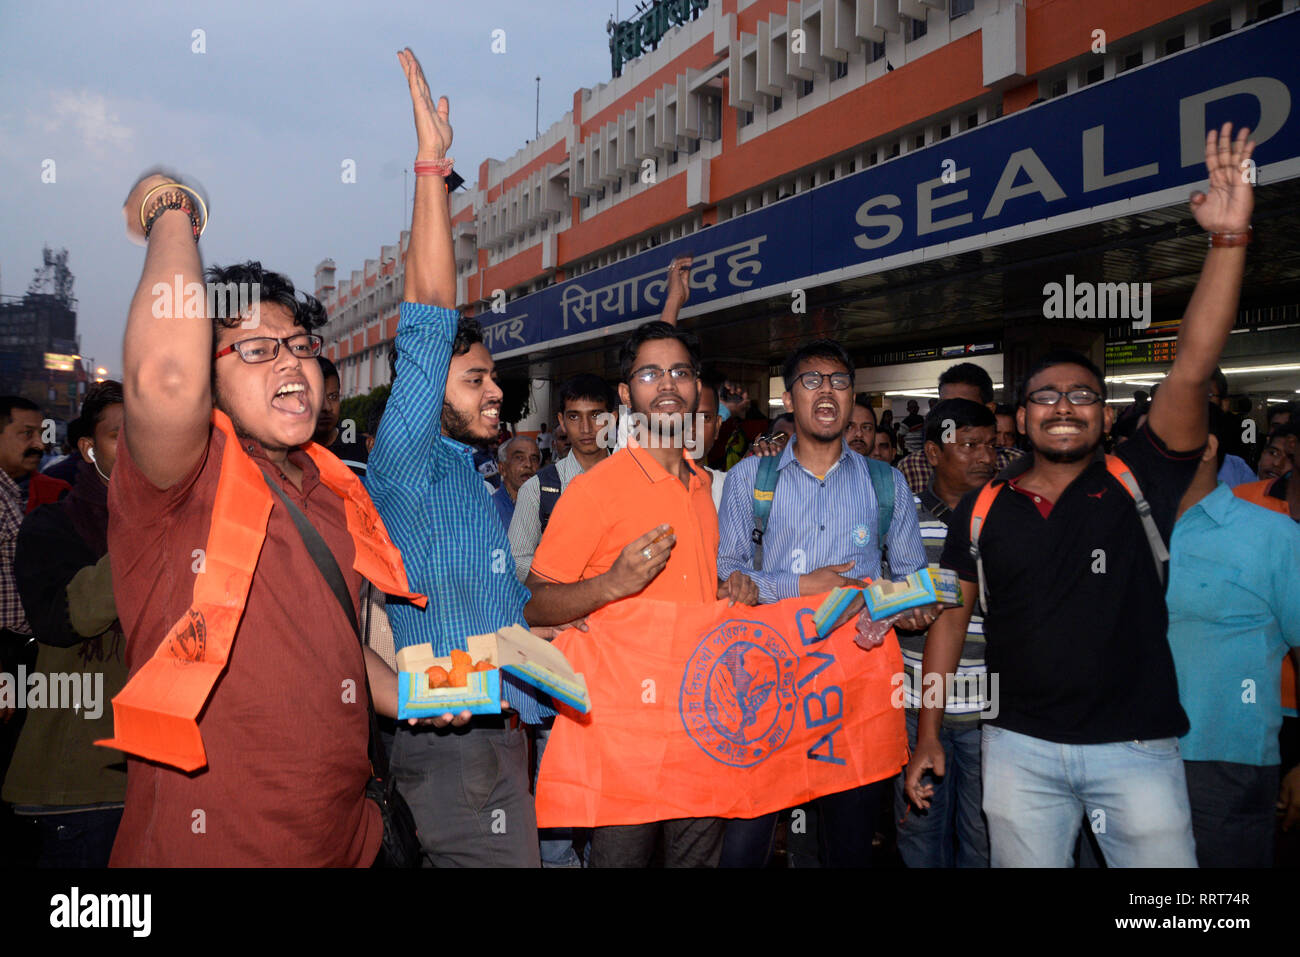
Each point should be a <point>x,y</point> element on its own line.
<point>822,532</point>
<point>961,450</point>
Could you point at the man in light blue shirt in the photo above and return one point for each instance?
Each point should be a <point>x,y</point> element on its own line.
<point>1234,612</point>
<point>467,787</point>
<point>822,532</point>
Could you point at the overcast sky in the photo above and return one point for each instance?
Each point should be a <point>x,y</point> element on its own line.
<point>284,93</point>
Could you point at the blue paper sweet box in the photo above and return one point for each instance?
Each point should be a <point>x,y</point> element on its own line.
<point>924,587</point>
<point>513,649</point>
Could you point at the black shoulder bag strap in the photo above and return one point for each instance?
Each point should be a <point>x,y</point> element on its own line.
<point>329,569</point>
<point>549,487</point>
<point>401,843</point>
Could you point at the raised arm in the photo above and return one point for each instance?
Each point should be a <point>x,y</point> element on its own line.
<point>430,266</point>
<point>679,289</point>
<point>166,355</point>
<point>412,421</point>
<point>1178,412</point>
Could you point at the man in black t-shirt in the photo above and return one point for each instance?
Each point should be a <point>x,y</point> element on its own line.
<point>1088,717</point>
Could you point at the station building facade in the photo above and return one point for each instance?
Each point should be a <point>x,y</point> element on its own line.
<point>924,180</point>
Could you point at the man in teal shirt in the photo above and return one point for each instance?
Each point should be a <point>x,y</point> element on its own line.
<point>1234,612</point>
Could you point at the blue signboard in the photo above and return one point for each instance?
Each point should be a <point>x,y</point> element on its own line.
<point>1141,133</point>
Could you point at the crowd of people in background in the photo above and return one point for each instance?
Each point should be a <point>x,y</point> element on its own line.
<point>1128,582</point>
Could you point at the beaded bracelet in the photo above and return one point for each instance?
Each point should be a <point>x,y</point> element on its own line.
<point>163,207</point>
<point>185,199</point>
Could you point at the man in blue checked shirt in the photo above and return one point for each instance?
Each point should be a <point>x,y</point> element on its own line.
<point>465,779</point>
<point>822,532</point>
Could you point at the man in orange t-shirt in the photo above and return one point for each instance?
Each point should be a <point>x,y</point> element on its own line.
<point>597,550</point>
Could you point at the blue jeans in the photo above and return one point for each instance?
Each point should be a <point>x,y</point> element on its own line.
<point>1133,794</point>
<point>951,831</point>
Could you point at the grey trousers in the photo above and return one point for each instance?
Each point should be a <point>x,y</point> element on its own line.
<point>468,790</point>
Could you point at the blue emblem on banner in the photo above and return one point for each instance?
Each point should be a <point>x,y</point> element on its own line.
<point>738,694</point>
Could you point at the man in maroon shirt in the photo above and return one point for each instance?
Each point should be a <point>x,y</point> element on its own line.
<point>285,728</point>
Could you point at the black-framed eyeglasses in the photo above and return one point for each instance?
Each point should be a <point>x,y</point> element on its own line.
<point>813,380</point>
<point>265,348</point>
<point>1053,396</point>
<point>652,374</point>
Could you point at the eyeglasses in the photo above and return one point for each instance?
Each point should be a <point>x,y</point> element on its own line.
<point>813,380</point>
<point>1053,396</point>
<point>266,348</point>
<point>651,374</point>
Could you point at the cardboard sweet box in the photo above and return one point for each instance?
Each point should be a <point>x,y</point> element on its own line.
<point>924,587</point>
<point>514,649</point>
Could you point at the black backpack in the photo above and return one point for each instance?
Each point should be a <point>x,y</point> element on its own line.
<point>548,481</point>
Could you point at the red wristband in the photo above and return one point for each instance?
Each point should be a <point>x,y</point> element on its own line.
<point>440,167</point>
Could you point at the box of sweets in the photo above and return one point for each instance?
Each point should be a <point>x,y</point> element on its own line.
<point>429,685</point>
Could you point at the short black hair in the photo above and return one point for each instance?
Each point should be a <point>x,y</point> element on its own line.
<point>586,386</point>
<point>960,414</point>
<point>647,332</point>
<point>8,403</point>
<point>272,287</point>
<point>468,334</point>
<point>709,385</point>
<point>862,402</point>
<point>328,370</point>
<point>98,398</point>
<point>712,380</point>
<point>1220,383</point>
<point>817,349</point>
<point>783,417</point>
<point>1290,430</point>
<point>1221,427</point>
<point>969,373</point>
<point>1005,408</point>
<point>1060,357</point>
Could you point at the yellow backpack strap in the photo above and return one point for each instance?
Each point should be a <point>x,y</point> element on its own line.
<point>983,502</point>
<point>1116,467</point>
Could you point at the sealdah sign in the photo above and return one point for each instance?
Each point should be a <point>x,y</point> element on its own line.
<point>1025,164</point>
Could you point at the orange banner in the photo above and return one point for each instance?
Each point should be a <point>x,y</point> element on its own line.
<point>717,711</point>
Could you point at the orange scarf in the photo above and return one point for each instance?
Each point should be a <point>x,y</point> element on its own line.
<point>155,715</point>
